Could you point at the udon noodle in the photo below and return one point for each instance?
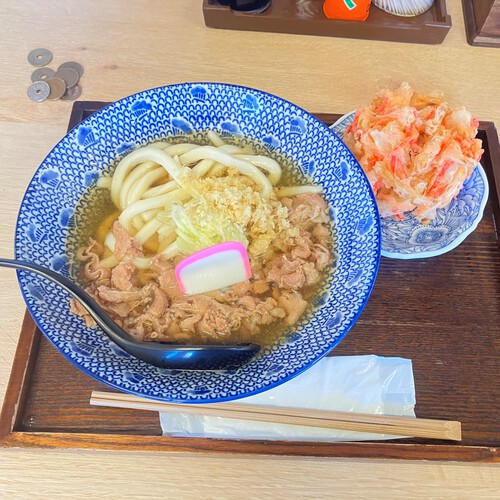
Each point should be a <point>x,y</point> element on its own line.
<point>174,199</point>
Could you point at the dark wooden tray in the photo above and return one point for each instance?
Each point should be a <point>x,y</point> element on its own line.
<point>284,16</point>
<point>482,22</point>
<point>443,313</point>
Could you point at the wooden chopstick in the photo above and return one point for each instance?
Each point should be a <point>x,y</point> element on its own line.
<point>360,422</point>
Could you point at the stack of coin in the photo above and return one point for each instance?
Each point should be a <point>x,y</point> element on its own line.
<point>49,84</point>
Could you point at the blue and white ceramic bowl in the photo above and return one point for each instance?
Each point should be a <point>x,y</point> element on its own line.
<point>410,239</point>
<point>47,215</point>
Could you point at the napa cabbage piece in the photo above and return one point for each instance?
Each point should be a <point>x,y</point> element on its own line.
<point>193,236</point>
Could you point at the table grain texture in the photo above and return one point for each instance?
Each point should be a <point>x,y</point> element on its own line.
<point>127,46</point>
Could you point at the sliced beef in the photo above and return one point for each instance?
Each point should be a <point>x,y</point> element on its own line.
<point>248,302</point>
<point>321,256</point>
<point>126,248</point>
<point>294,306</point>
<point>307,210</point>
<point>159,306</point>
<point>311,273</point>
<point>117,296</point>
<point>301,246</point>
<point>269,311</point>
<point>194,304</point>
<point>241,289</point>
<point>123,276</point>
<point>215,323</point>
<point>260,287</point>
<point>321,234</point>
<point>189,324</point>
<point>92,269</point>
<point>287,274</point>
<point>76,308</point>
<point>164,273</point>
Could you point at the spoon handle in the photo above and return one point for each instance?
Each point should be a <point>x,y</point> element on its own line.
<point>163,355</point>
<point>94,309</point>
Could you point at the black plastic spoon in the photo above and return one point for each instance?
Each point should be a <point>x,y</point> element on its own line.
<point>163,355</point>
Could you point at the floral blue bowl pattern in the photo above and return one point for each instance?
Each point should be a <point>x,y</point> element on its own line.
<point>410,239</point>
<point>71,168</point>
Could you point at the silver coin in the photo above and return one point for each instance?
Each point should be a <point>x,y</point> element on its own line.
<point>40,57</point>
<point>72,93</point>
<point>38,91</point>
<point>69,75</point>
<point>57,88</point>
<point>73,65</point>
<point>42,74</point>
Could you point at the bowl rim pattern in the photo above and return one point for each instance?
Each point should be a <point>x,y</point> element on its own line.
<point>265,386</point>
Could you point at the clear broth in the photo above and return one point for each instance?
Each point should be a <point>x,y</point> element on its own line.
<point>96,206</point>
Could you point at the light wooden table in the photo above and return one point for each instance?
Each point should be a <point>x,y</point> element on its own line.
<point>127,46</point>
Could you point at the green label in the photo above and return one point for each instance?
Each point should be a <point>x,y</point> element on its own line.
<point>350,4</point>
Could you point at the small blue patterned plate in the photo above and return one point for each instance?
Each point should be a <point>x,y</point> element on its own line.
<point>410,239</point>
<point>47,216</point>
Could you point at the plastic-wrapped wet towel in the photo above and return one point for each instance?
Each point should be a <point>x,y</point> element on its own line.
<point>360,384</point>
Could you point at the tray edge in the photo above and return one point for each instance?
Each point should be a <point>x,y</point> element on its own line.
<point>437,29</point>
<point>471,28</point>
<point>29,340</point>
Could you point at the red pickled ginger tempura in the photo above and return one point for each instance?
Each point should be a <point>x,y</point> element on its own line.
<point>416,150</point>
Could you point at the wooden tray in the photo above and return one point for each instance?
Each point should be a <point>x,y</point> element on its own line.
<point>285,16</point>
<point>482,22</point>
<point>443,313</point>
